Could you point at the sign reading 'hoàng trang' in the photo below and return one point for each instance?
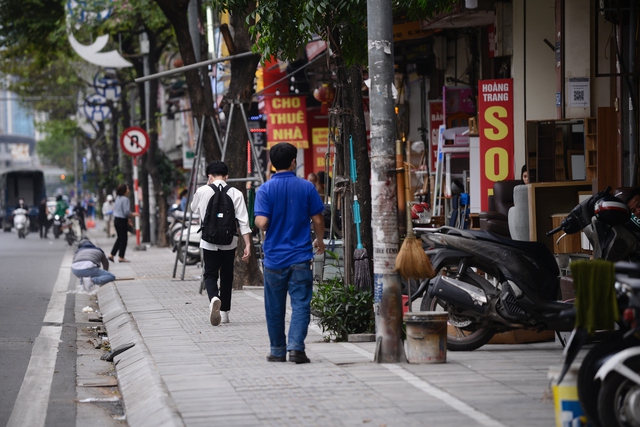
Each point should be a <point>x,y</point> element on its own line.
<point>495,111</point>
<point>287,120</point>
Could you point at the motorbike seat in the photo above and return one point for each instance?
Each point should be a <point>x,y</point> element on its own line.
<point>537,250</point>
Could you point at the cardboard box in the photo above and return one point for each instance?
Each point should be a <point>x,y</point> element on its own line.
<point>522,337</point>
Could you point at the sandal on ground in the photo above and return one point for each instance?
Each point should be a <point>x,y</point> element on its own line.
<point>110,257</point>
<point>123,260</point>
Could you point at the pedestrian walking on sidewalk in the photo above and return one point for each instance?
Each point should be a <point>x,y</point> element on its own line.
<point>86,265</point>
<point>121,214</point>
<point>219,258</point>
<point>284,206</point>
<point>107,214</point>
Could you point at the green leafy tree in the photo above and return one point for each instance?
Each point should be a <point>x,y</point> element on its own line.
<point>284,30</point>
<point>240,89</point>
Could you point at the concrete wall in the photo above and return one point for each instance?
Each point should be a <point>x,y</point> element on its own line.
<point>533,68</point>
<point>577,58</point>
<point>601,87</point>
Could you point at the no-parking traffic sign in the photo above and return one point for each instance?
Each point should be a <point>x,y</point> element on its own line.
<point>134,141</point>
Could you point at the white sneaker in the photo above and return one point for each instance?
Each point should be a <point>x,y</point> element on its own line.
<point>87,284</point>
<point>214,311</point>
<point>224,315</point>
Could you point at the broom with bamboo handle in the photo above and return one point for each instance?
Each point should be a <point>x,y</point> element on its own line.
<point>401,188</point>
<point>412,262</point>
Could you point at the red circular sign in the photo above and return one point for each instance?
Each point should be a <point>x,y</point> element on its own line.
<point>134,141</point>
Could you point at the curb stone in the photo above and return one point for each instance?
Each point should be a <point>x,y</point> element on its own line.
<point>148,402</point>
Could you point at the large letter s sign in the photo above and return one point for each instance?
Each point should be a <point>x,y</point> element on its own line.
<point>500,129</point>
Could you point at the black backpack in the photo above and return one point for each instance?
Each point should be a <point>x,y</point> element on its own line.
<point>219,224</point>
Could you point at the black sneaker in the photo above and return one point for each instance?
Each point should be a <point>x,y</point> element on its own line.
<point>298,357</point>
<point>272,358</point>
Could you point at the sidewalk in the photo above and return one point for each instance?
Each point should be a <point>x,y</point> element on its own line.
<point>184,372</point>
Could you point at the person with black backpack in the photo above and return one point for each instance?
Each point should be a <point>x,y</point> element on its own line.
<point>222,209</point>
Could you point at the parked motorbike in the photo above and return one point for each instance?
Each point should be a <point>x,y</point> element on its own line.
<point>608,381</point>
<point>619,375</point>
<point>175,219</point>
<point>491,284</point>
<point>187,243</point>
<point>21,222</point>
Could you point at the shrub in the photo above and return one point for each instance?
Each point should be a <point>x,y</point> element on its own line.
<point>342,310</point>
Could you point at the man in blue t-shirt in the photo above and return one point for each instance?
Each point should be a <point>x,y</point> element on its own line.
<point>285,205</point>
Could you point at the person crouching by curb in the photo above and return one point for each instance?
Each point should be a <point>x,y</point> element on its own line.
<point>219,258</point>
<point>284,207</point>
<point>86,265</point>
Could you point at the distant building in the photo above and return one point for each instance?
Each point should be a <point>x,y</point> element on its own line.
<point>15,119</point>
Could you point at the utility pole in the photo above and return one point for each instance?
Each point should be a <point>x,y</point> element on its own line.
<point>75,166</point>
<point>384,219</point>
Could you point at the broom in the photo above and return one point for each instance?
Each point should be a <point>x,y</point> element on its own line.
<point>412,262</point>
<point>361,273</point>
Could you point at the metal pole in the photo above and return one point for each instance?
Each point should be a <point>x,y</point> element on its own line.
<point>192,67</point>
<point>147,122</point>
<point>75,166</point>
<point>192,179</point>
<point>135,199</point>
<point>384,220</point>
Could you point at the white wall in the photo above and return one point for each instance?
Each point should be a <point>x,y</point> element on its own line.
<point>577,58</point>
<point>534,62</point>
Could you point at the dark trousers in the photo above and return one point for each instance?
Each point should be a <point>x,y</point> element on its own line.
<point>120,246</point>
<point>222,262</point>
<point>44,228</point>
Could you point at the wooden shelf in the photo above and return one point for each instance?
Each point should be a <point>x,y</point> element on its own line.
<point>550,145</point>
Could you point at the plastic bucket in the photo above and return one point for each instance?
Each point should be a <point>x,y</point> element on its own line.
<point>426,336</point>
<point>405,307</point>
<point>568,411</point>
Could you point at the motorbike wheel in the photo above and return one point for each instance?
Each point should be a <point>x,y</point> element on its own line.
<point>21,234</point>
<point>191,260</point>
<point>588,388</point>
<point>56,231</point>
<point>71,237</point>
<point>464,333</point>
<point>618,397</point>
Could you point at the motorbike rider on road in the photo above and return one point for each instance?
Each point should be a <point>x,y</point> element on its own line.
<point>61,206</point>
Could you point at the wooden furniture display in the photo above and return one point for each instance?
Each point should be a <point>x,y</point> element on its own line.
<point>550,144</point>
<point>609,151</point>
<point>591,147</point>
<point>547,199</point>
<point>570,243</point>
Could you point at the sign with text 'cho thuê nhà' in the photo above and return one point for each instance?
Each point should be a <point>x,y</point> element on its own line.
<point>287,120</point>
<point>495,119</point>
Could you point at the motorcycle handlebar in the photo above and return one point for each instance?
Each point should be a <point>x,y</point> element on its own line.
<point>555,230</point>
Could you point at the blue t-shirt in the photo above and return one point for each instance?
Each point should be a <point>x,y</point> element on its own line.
<point>289,203</point>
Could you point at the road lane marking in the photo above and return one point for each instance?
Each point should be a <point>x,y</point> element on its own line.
<point>455,403</point>
<point>30,408</point>
<point>32,403</point>
<point>55,310</point>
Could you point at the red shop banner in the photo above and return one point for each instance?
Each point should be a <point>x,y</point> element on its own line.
<point>436,118</point>
<point>287,120</point>
<point>495,117</point>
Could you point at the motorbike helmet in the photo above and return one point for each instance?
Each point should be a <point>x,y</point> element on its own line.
<point>611,211</point>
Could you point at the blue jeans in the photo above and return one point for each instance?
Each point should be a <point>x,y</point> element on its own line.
<point>297,280</point>
<point>97,275</point>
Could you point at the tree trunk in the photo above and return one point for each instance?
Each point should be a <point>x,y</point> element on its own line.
<point>350,112</point>
<point>198,82</point>
<point>243,72</point>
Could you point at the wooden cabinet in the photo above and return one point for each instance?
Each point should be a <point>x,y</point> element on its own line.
<point>591,147</point>
<point>562,150</point>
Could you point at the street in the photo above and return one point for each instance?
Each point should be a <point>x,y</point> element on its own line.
<point>182,371</point>
<point>39,334</point>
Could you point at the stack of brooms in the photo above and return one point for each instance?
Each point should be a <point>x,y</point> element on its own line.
<point>412,262</point>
